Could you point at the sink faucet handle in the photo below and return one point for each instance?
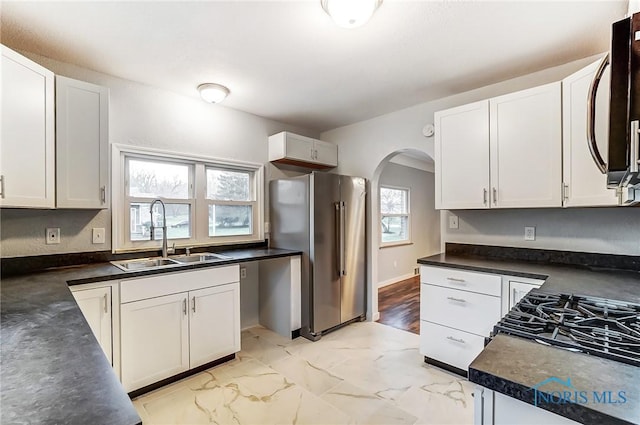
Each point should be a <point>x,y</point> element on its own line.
<point>172,250</point>
<point>188,250</point>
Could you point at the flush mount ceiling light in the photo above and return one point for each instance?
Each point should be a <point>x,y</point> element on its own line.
<point>213,93</point>
<point>350,13</point>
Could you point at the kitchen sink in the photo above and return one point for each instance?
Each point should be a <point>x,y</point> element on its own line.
<point>200,258</point>
<point>144,263</point>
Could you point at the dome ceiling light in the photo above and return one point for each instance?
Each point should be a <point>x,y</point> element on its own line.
<point>350,13</point>
<point>213,93</point>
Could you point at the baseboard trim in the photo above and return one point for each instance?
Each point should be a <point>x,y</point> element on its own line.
<point>395,280</point>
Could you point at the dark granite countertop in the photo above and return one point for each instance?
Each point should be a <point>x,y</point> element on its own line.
<point>53,369</point>
<point>512,365</point>
<point>579,280</point>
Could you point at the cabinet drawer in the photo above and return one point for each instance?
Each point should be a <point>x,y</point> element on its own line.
<point>173,283</point>
<point>450,346</point>
<point>481,283</point>
<point>467,311</point>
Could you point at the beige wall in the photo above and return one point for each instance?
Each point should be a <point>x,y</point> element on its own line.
<point>398,262</point>
<point>141,115</point>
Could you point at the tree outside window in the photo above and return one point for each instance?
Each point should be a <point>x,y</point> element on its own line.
<point>394,215</point>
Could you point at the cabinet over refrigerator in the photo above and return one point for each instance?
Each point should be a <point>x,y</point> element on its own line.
<point>323,215</point>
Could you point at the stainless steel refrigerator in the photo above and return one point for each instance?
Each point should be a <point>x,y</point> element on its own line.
<point>323,215</point>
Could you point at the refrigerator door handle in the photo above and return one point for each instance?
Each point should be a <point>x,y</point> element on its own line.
<point>338,228</point>
<point>343,208</point>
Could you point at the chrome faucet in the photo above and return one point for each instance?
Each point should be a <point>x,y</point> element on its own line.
<point>164,226</point>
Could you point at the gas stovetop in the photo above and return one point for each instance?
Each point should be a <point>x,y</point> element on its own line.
<point>601,327</point>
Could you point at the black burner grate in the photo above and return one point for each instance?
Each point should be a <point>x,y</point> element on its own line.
<point>605,328</point>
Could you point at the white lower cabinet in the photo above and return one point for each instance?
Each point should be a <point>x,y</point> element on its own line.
<point>155,340</point>
<point>174,322</point>
<point>214,323</point>
<point>457,310</point>
<point>517,290</point>
<point>451,346</point>
<point>95,304</point>
<point>493,408</point>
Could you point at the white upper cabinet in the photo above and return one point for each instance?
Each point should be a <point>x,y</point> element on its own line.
<point>293,149</point>
<point>505,152</point>
<point>526,148</point>
<point>584,184</point>
<point>27,144</point>
<point>462,156</point>
<point>82,162</point>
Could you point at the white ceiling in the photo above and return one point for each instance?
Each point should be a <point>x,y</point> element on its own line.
<point>287,61</point>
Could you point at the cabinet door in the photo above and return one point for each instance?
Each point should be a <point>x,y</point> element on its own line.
<point>27,142</point>
<point>517,290</point>
<point>300,148</point>
<point>214,323</point>
<point>462,157</point>
<point>95,305</point>
<point>584,184</point>
<point>326,153</point>
<point>526,148</point>
<point>154,340</point>
<point>82,116</point>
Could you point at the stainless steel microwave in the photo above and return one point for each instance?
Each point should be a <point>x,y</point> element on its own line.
<point>624,106</point>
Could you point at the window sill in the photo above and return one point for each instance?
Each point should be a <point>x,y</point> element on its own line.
<point>392,245</point>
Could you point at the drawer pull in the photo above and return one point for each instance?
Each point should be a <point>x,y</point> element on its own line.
<point>461,341</point>
<point>455,279</point>
<point>459,300</point>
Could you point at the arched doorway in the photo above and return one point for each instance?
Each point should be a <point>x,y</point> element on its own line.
<point>399,236</point>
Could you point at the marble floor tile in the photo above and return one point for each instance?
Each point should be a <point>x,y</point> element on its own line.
<point>365,373</point>
<point>306,374</point>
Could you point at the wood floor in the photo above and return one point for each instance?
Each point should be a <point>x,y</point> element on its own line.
<point>399,305</point>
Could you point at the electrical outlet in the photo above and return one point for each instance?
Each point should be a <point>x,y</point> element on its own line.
<point>529,233</point>
<point>416,271</point>
<point>98,235</point>
<point>243,272</point>
<point>53,235</point>
<point>453,222</point>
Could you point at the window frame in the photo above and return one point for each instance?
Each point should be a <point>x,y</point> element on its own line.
<point>408,240</point>
<point>199,211</point>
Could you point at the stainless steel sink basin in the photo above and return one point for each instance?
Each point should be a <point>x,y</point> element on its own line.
<point>144,263</point>
<point>200,258</point>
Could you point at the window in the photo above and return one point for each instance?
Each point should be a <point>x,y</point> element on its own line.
<point>147,180</point>
<point>207,202</point>
<point>230,199</point>
<point>394,216</point>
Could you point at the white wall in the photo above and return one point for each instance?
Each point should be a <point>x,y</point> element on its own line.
<point>398,262</point>
<point>142,115</point>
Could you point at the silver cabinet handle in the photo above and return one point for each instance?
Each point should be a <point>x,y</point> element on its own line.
<point>106,304</point>
<point>461,341</point>
<point>194,304</point>
<point>2,187</point>
<point>312,153</point>
<point>103,194</point>
<point>184,306</point>
<point>591,116</point>
<point>459,300</point>
<point>484,195</point>
<point>565,191</point>
<point>455,279</point>
<point>495,196</point>
<point>634,149</point>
